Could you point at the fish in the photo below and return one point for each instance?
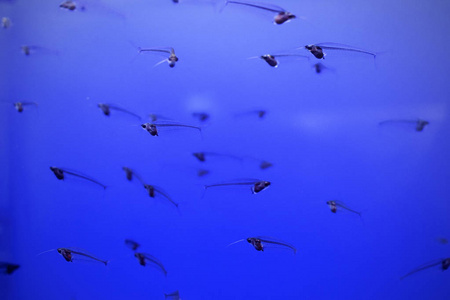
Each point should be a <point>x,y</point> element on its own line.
<point>106,109</point>
<point>70,254</point>
<point>444,264</point>
<point>8,267</point>
<point>201,116</point>
<point>201,156</point>
<point>420,124</point>
<point>261,242</point>
<point>335,204</point>
<point>153,128</point>
<point>272,60</point>
<point>143,258</point>
<point>132,244</point>
<point>130,174</point>
<point>171,60</point>
<point>19,105</point>
<point>59,173</point>
<point>318,49</point>
<point>256,186</point>
<point>152,190</point>
<point>281,15</point>
<point>173,296</point>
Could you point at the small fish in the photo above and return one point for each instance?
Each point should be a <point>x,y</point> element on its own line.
<point>59,173</point>
<point>444,263</point>
<point>334,205</point>
<point>319,68</point>
<point>420,124</point>
<point>173,296</point>
<point>106,109</point>
<point>8,268</point>
<point>260,113</point>
<point>171,60</point>
<point>318,49</point>
<point>202,172</point>
<point>19,105</point>
<point>272,59</point>
<point>70,5</point>
<point>6,22</point>
<point>130,174</point>
<point>442,241</point>
<point>70,254</point>
<point>153,128</point>
<point>265,165</point>
<point>202,117</point>
<point>201,156</point>
<point>29,49</point>
<point>261,242</point>
<point>256,186</point>
<point>144,257</point>
<point>132,244</point>
<point>282,16</point>
<point>152,190</point>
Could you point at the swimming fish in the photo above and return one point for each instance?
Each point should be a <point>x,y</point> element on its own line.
<point>444,263</point>
<point>260,243</point>
<point>8,268</point>
<point>132,244</point>
<point>143,258</point>
<point>19,105</point>
<point>201,116</point>
<point>153,128</point>
<point>173,296</point>
<point>59,173</point>
<point>70,254</point>
<point>335,204</point>
<point>420,124</point>
<point>272,60</point>
<point>106,109</point>
<point>256,186</point>
<point>171,60</point>
<point>152,190</point>
<point>281,15</point>
<point>318,49</point>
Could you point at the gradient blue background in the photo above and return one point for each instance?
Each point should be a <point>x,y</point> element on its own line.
<point>321,133</point>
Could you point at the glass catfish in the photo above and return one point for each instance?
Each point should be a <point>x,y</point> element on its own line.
<point>261,242</point>
<point>272,60</point>
<point>60,174</point>
<point>171,60</point>
<point>443,263</point>
<point>19,106</point>
<point>153,128</point>
<point>144,258</point>
<point>320,50</point>
<point>132,244</point>
<point>281,15</point>
<point>8,268</point>
<point>419,124</point>
<point>256,185</point>
<point>73,254</point>
<point>106,109</point>
<point>333,204</point>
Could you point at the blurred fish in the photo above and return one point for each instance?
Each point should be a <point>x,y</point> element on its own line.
<point>19,105</point>
<point>153,128</point>
<point>335,204</point>
<point>261,113</point>
<point>144,257</point>
<point>201,116</point>
<point>281,15</point>
<point>59,173</point>
<point>420,124</point>
<point>318,49</point>
<point>444,263</point>
<point>6,22</point>
<point>130,174</point>
<point>33,49</point>
<point>70,254</point>
<point>152,190</point>
<point>132,244</point>
<point>201,156</point>
<point>256,186</point>
<point>260,243</point>
<point>272,60</point>
<point>443,241</point>
<point>171,60</point>
<point>8,268</point>
<point>106,109</point>
<point>173,296</point>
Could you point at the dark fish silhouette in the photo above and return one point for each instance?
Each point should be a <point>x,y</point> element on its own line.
<point>272,60</point>
<point>19,105</point>
<point>70,254</point>
<point>153,128</point>
<point>444,263</point>
<point>143,258</point>
<point>318,49</point>
<point>132,244</point>
<point>256,186</point>
<point>260,242</point>
<point>8,268</point>
<point>420,124</point>
<point>106,109</point>
<point>173,296</point>
<point>335,204</point>
<point>281,15</point>
<point>59,173</point>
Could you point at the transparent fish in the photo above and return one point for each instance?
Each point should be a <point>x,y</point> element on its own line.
<point>419,124</point>
<point>320,50</point>
<point>96,6</point>
<point>256,186</point>
<point>171,60</point>
<point>319,68</point>
<point>261,242</point>
<point>272,60</point>
<point>19,106</point>
<point>260,113</point>
<point>443,263</point>
<point>144,258</point>
<point>132,244</point>
<point>71,254</point>
<point>8,268</point>
<point>130,174</point>
<point>202,156</point>
<point>106,109</point>
<point>201,116</point>
<point>29,49</point>
<point>60,174</point>
<point>280,15</point>
<point>153,190</point>
<point>173,296</point>
<point>71,5</point>
<point>335,204</point>
<point>6,22</point>
<point>153,128</point>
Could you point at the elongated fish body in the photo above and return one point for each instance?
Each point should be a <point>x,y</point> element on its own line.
<point>173,296</point>
<point>59,173</point>
<point>334,205</point>
<point>256,187</point>
<point>318,49</point>
<point>69,5</point>
<point>261,242</point>
<point>270,59</point>
<point>282,16</point>
<point>153,128</point>
<point>8,267</point>
<point>256,243</point>
<point>443,263</point>
<point>132,244</point>
<point>69,253</point>
<point>143,258</point>
<point>171,60</point>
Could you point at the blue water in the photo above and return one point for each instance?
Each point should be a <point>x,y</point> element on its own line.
<point>321,132</point>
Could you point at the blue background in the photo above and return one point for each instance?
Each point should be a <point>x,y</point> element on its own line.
<point>321,133</point>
